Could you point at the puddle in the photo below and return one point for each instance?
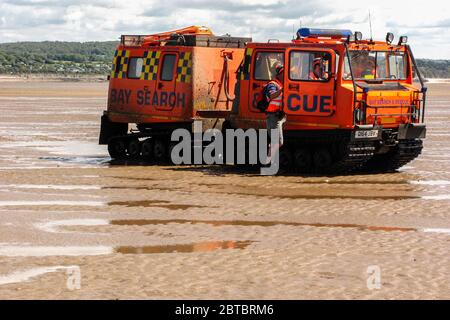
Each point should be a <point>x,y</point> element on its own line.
<point>141,188</point>
<point>75,152</point>
<point>154,203</point>
<point>320,196</point>
<point>437,197</point>
<point>346,182</point>
<point>323,182</point>
<point>26,167</point>
<point>186,248</point>
<point>129,162</point>
<point>130,188</point>
<point>49,251</point>
<point>88,176</point>
<point>49,186</point>
<point>246,223</point>
<point>438,134</point>
<point>437,230</point>
<point>431,182</point>
<point>26,275</point>
<point>86,160</point>
<point>53,251</point>
<point>53,226</point>
<point>52,203</point>
<point>337,196</point>
<point>69,148</point>
<point>133,178</point>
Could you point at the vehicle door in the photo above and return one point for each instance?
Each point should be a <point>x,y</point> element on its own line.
<point>262,70</point>
<point>310,82</point>
<point>166,84</point>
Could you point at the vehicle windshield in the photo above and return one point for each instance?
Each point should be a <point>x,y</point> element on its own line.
<point>375,65</point>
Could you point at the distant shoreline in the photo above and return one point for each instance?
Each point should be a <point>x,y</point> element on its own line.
<point>438,80</point>
<point>55,77</point>
<point>103,78</point>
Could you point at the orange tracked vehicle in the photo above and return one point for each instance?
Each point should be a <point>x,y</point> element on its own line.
<point>350,103</point>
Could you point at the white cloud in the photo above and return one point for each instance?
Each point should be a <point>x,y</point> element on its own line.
<point>426,23</point>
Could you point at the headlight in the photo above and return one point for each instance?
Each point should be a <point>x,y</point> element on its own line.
<point>389,37</point>
<point>402,40</point>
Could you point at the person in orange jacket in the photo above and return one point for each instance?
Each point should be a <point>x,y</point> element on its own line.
<point>317,73</point>
<point>275,117</point>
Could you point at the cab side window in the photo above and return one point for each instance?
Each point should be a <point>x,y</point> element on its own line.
<point>266,63</point>
<point>309,66</point>
<point>168,66</point>
<point>397,66</point>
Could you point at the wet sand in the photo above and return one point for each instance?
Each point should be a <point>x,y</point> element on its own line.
<point>148,232</point>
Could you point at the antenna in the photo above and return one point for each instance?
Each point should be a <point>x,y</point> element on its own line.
<point>370,26</point>
<point>293,31</point>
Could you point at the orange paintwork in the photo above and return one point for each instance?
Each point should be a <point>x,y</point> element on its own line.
<point>339,114</point>
<point>309,105</point>
<point>152,101</point>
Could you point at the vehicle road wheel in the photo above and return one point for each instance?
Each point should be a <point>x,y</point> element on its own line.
<point>322,159</point>
<point>147,149</point>
<point>117,148</point>
<point>303,160</point>
<point>134,149</point>
<point>159,150</point>
<point>286,162</point>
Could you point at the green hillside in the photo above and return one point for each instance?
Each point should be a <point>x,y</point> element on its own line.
<point>71,58</point>
<point>434,68</point>
<point>56,57</point>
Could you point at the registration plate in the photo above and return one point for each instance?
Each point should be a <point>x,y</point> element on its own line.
<point>365,134</point>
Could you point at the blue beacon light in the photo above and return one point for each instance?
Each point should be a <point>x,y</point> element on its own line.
<point>325,33</point>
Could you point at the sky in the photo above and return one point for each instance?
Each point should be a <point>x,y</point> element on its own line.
<point>426,23</point>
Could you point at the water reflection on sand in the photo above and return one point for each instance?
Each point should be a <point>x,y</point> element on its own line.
<point>207,231</point>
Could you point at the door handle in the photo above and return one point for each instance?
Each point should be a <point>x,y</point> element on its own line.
<point>256,85</point>
<point>293,86</point>
<point>160,85</point>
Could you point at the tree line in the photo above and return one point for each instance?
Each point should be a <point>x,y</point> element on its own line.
<point>69,58</point>
<point>55,57</point>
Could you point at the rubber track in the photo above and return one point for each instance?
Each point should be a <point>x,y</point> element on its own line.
<point>356,155</point>
<point>403,153</point>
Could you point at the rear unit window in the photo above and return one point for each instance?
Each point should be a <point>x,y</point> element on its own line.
<point>168,67</point>
<point>135,68</point>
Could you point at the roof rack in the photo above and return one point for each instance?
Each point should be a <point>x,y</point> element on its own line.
<point>193,36</point>
<point>132,40</point>
<point>164,36</point>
